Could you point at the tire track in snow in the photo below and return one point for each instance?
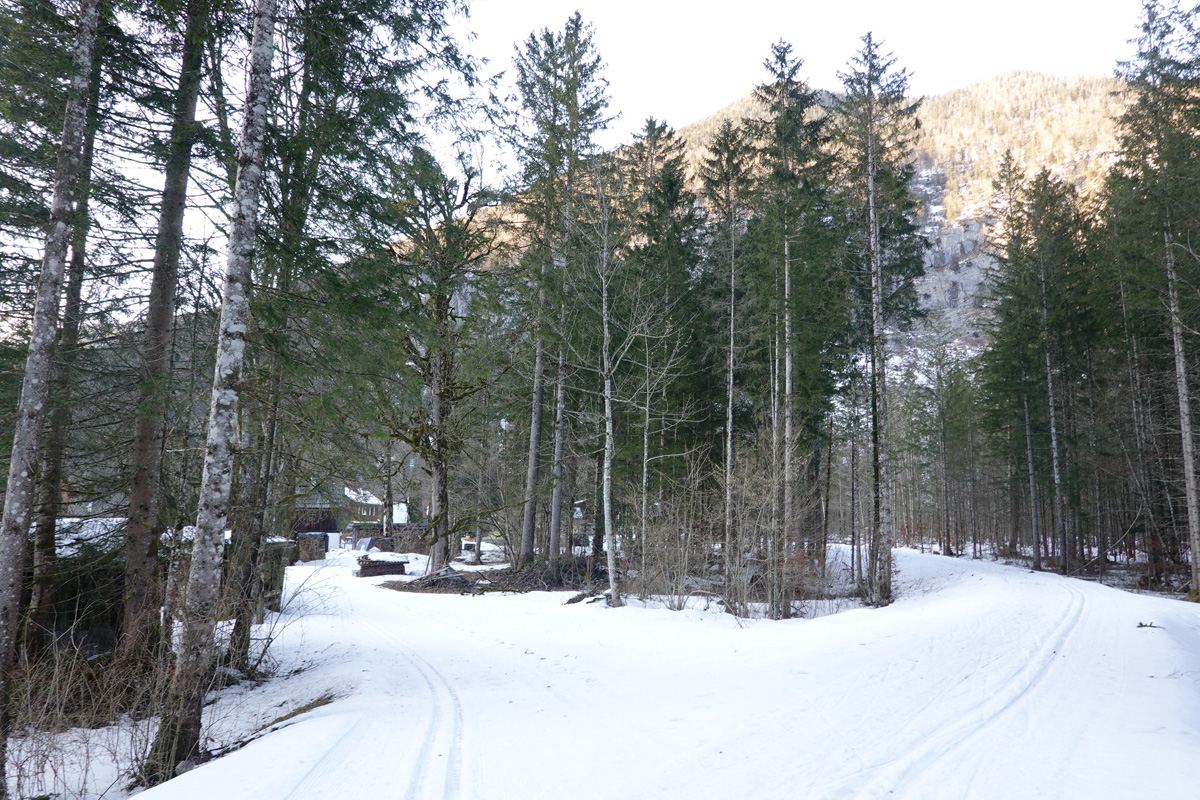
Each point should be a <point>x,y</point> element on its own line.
<point>933,748</point>
<point>435,775</point>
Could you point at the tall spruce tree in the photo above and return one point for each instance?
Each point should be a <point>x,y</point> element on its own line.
<point>1008,366</point>
<point>793,164</point>
<point>1042,321</point>
<point>875,127</point>
<point>665,243</point>
<point>1153,203</point>
<point>562,99</point>
<point>142,598</point>
<point>725,176</point>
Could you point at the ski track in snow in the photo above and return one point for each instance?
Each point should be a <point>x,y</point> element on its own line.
<point>942,743</point>
<point>337,766</point>
<point>437,774</point>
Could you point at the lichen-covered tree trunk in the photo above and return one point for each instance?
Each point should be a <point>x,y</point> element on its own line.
<point>35,387</point>
<point>439,470</point>
<point>142,595</point>
<point>49,497</point>
<point>178,737</point>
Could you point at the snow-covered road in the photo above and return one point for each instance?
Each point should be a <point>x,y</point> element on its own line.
<point>981,681</point>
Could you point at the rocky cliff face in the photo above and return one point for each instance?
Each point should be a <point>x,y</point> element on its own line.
<point>1065,124</point>
<point>953,291</point>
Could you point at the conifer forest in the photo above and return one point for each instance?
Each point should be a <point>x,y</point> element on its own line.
<point>259,259</point>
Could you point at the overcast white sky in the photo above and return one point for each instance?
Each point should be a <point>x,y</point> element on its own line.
<point>681,60</point>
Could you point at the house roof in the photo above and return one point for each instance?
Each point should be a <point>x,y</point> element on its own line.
<point>362,497</point>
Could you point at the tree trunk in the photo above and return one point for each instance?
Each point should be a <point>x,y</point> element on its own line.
<point>788,526</point>
<point>1033,498</point>
<point>534,460</point>
<point>560,442</point>
<point>598,527</point>
<point>1059,502</point>
<point>1185,410</point>
<point>142,595</point>
<point>439,493</point>
<point>856,571</point>
<point>35,387</point>
<point>729,531</point>
<point>178,737</point>
<point>644,526</point>
<point>610,538</point>
<point>883,491</point>
<point>825,500</point>
<point>389,495</point>
<point>947,546</point>
<point>45,558</point>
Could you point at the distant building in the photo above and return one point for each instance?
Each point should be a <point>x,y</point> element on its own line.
<point>335,507</point>
<point>330,507</point>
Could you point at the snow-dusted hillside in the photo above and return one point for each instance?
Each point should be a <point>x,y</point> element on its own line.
<point>981,681</point>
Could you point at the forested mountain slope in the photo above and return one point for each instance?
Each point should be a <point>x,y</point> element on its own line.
<point>1065,123</point>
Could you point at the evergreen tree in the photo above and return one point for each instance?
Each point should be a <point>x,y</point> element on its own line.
<point>1153,203</point>
<point>725,176</point>
<point>562,100</point>
<point>875,127</point>
<point>1009,366</point>
<point>792,238</point>
<point>446,297</point>
<point>665,247</point>
<point>35,67</point>
<point>142,599</point>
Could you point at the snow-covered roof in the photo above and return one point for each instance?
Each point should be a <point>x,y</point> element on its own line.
<point>362,496</point>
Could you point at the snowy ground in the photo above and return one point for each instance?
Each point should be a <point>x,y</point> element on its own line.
<point>981,681</point>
